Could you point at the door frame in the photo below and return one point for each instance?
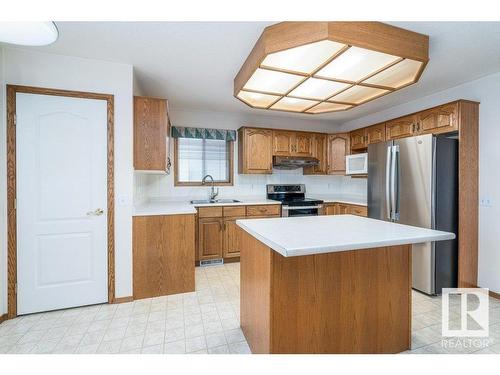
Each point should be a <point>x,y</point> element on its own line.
<point>12,90</point>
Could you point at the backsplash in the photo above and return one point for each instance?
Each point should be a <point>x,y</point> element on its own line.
<point>149,186</point>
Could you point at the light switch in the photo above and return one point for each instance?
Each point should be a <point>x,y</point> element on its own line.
<point>486,202</point>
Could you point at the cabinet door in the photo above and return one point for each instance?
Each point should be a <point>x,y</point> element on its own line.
<point>358,139</point>
<point>357,210</point>
<point>163,255</point>
<point>255,151</point>
<point>303,145</point>
<point>210,238</point>
<point>375,134</point>
<point>341,209</point>
<point>401,127</point>
<point>320,146</point>
<point>438,120</point>
<point>151,131</point>
<point>330,209</point>
<point>283,143</point>
<point>231,247</point>
<point>338,148</point>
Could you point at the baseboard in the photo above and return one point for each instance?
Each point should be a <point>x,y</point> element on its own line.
<point>123,299</point>
<point>3,317</point>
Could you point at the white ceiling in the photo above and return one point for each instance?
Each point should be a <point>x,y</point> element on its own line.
<point>193,63</point>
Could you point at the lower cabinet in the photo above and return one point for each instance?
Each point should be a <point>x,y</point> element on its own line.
<point>217,235</point>
<point>231,246</point>
<point>163,255</point>
<point>210,238</point>
<point>344,209</point>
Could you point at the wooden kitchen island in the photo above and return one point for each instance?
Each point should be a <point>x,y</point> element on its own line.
<point>327,284</point>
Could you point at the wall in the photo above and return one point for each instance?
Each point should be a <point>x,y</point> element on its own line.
<point>158,186</point>
<point>31,68</point>
<point>485,90</point>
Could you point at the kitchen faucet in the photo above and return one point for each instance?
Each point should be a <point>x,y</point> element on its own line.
<point>213,193</point>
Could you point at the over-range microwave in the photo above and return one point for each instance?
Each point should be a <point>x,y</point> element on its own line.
<point>356,164</point>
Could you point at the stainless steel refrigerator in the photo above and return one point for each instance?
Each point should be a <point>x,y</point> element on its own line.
<point>414,181</point>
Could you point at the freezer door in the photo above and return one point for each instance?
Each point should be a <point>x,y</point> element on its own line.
<point>416,202</point>
<point>378,174</point>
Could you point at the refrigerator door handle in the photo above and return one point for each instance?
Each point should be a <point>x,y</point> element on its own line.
<point>395,182</point>
<point>388,174</point>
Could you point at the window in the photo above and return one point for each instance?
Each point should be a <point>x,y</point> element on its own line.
<point>195,158</point>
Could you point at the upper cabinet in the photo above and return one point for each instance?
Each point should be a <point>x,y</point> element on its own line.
<point>375,134</point>
<point>255,151</point>
<point>151,133</point>
<point>320,152</point>
<point>338,148</point>
<point>405,126</point>
<point>358,139</point>
<point>440,119</point>
<point>290,143</point>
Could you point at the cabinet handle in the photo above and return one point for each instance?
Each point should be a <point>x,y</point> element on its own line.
<point>413,128</point>
<point>418,126</point>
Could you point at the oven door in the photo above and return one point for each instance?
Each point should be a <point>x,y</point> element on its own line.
<point>288,211</point>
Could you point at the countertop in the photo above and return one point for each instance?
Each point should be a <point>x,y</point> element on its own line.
<point>157,207</point>
<point>348,199</point>
<point>294,236</point>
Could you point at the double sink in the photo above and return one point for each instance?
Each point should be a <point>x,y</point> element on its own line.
<point>207,201</point>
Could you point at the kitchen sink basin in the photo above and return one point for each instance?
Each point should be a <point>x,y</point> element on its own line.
<point>207,201</point>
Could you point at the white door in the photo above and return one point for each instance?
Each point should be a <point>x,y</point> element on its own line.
<point>61,187</point>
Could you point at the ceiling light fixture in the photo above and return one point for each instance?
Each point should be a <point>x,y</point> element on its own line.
<point>28,33</point>
<point>320,67</point>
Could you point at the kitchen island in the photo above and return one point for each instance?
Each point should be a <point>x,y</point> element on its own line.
<point>327,284</point>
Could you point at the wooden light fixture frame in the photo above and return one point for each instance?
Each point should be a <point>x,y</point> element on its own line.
<point>375,36</point>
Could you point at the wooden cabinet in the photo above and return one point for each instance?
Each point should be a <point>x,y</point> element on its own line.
<point>217,235</point>
<point>290,143</point>
<point>283,143</point>
<point>320,152</point>
<point>358,139</point>
<point>344,209</point>
<point>255,151</point>
<point>375,134</point>
<point>231,247</point>
<point>441,119</point>
<point>405,126</point>
<point>338,148</point>
<point>210,238</point>
<point>151,133</point>
<point>163,255</point>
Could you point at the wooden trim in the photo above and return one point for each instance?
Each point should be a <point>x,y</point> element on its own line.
<point>375,36</point>
<point>123,299</point>
<point>12,90</point>
<point>176,170</point>
<point>494,294</point>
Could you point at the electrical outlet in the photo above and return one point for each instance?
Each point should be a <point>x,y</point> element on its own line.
<point>486,202</point>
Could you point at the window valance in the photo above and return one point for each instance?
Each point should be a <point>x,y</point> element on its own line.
<point>203,133</point>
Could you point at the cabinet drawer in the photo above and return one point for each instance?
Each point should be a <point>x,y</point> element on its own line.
<point>358,210</point>
<point>210,212</point>
<point>263,210</point>
<point>233,211</point>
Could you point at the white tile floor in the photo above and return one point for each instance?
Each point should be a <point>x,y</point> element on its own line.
<point>205,321</point>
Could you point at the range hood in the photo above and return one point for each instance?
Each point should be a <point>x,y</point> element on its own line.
<point>293,162</point>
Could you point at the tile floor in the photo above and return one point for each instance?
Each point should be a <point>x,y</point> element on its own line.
<point>205,321</point>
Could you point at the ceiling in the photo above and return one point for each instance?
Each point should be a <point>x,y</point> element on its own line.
<point>193,63</point>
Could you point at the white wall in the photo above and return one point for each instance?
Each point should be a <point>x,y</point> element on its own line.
<point>154,186</point>
<point>487,91</point>
<point>31,68</point>
<point>3,192</point>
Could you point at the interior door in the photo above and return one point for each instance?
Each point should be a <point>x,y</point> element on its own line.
<point>61,202</point>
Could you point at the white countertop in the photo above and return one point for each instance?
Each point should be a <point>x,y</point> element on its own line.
<point>307,235</point>
<point>158,207</point>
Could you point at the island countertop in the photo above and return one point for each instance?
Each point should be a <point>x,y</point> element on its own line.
<point>308,235</point>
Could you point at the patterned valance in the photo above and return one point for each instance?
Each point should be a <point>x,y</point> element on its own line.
<point>203,133</point>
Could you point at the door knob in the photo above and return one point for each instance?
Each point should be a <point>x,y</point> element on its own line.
<point>96,212</point>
